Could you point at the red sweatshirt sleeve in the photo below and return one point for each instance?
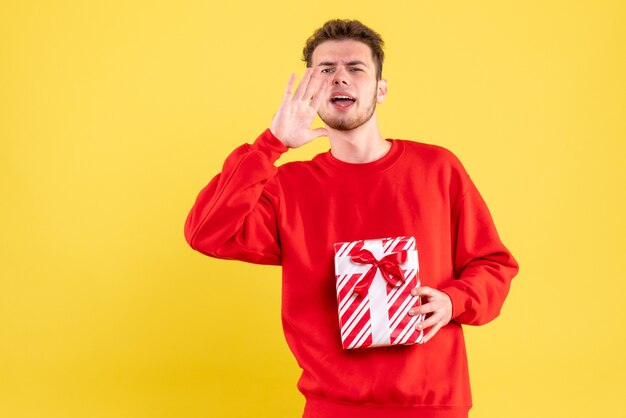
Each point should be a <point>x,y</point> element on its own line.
<point>234,216</point>
<point>483,266</point>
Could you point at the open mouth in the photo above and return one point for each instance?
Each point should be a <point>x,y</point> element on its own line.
<point>342,101</point>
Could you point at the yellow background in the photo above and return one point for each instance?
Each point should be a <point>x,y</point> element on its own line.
<point>114,114</point>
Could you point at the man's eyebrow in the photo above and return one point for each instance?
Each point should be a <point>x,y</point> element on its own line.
<point>357,62</point>
<point>349,63</point>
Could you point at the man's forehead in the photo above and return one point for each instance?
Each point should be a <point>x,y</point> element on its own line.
<point>342,52</point>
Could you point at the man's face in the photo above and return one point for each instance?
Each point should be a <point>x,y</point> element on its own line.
<point>355,89</point>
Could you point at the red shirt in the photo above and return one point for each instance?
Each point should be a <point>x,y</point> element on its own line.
<point>292,216</point>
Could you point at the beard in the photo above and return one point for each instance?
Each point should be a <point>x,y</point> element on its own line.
<point>345,123</point>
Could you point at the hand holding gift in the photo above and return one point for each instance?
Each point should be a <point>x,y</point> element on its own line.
<point>438,305</point>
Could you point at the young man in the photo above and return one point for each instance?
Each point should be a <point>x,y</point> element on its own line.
<point>365,187</point>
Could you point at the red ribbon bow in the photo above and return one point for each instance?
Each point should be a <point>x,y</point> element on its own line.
<point>389,266</point>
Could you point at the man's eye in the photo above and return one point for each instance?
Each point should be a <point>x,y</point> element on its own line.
<point>355,69</point>
<point>327,70</point>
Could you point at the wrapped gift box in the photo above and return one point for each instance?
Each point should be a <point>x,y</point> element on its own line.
<point>374,283</point>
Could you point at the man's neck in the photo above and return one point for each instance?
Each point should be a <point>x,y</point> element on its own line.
<point>361,145</point>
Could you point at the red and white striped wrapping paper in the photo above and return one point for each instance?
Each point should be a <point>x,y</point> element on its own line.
<point>379,317</point>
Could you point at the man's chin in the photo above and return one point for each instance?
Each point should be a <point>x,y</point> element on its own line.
<point>340,124</point>
<point>347,122</point>
<point>343,124</point>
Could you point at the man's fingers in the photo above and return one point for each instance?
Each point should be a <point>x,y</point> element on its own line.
<point>439,307</point>
<point>312,89</point>
<point>303,84</point>
<point>423,291</point>
<point>432,332</point>
<point>289,88</point>
<point>429,322</point>
<point>321,94</point>
<point>423,309</point>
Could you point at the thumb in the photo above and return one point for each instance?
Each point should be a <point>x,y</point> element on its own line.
<point>316,133</point>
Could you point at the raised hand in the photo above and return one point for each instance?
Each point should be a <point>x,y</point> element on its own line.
<point>292,123</point>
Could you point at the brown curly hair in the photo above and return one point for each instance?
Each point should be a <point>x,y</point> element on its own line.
<point>340,29</point>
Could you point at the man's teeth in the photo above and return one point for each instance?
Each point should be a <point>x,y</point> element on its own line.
<point>334,99</point>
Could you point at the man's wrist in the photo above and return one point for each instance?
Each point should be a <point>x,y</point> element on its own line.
<point>268,144</point>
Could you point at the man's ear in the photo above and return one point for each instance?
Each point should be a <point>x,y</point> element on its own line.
<point>381,91</point>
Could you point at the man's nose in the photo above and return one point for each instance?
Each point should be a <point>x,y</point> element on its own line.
<point>340,77</point>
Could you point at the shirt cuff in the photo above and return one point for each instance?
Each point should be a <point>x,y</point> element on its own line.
<point>457,297</point>
<point>270,146</point>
